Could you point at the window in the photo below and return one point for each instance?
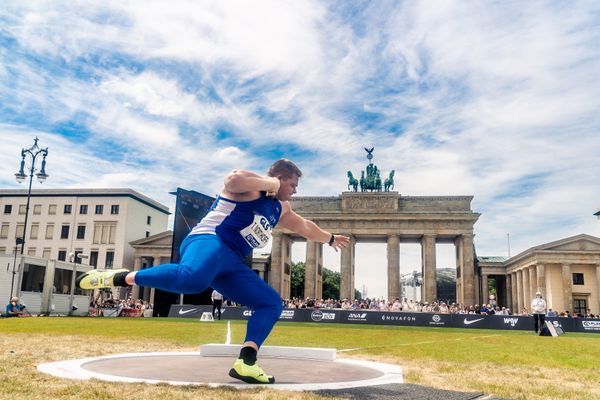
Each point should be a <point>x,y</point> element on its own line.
<point>35,228</point>
<point>62,280</point>
<point>105,232</point>
<point>20,231</point>
<point>114,209</point>
<point>578,278</point>
<point>76,259</point>
<point>81,232</point>
<point>31,251</point>
<point>110,258</point>
<point>83,209</point>
<point>37,209</point>
<point>580,306</point>
<point>7,208</point>
<point>33,278</point>
<point>2,250</point>
<point>64,232</point>
<point>147,233</point>
<point>22,208</point>
<point>68,208</point>
<point>94,258</point>
<point>148,220</point>
<point>52,209</point>
<point>4,231</point>
<point>49,231</point>
<point>99,209</point>
<point>62,255</point>
<point>46,253</point>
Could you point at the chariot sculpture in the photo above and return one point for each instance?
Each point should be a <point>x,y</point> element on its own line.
<point>371,181</point>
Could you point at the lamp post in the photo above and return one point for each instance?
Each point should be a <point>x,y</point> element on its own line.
<point>33,152</point>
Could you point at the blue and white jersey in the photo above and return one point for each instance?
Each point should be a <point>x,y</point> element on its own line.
<point>244,225</point>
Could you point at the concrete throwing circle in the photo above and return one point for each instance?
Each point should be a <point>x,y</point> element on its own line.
<point>194,369</point>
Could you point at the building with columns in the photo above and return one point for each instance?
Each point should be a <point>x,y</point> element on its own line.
<point>381,217</point>
<point>566,272</point>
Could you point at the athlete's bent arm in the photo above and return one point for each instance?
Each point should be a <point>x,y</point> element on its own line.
<point>242,181</point>
<point>308,229</point>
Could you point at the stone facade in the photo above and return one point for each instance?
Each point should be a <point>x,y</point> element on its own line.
<point>549,269</point>
<point>381,217</point>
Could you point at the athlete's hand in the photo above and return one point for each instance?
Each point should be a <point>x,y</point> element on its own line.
<point>340,242</point>
<point>272,186</point>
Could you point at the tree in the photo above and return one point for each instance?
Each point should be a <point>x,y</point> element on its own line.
<point>331,282</point>
<point>297,279</point>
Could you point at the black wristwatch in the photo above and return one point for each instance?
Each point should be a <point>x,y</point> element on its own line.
<point>332,240</point>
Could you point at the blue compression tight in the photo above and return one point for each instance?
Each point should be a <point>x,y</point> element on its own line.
<point>207,261</point>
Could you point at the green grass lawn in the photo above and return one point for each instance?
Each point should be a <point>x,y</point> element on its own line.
<point>509,364</point>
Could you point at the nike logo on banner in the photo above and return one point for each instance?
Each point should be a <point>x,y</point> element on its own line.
<point>467,322</point>
<point>181,312</point>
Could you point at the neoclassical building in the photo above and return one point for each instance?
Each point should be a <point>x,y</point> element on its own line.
<point>566,272</point>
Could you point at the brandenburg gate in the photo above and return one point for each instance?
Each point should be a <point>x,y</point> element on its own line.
<point>381,216</point>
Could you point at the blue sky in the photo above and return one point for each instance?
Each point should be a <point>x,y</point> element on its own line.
<point>498,100</point>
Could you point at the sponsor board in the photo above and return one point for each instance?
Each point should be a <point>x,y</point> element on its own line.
<point>319,316</point>
<point>468,322</point>
<point>358,316</point>
<point>512,321</point>
<point>287,314</point>
<point>436,320</point>
<point>591,325</point>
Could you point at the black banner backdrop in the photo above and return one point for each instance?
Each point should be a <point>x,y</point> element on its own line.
<point>468,321</point>
<point>190,208</point>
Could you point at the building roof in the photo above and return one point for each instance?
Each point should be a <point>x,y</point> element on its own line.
<point>492,259</point>
<point>597,213</point>
<point>111,192</point>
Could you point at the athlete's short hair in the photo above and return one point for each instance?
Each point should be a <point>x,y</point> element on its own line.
<point>285,168</point>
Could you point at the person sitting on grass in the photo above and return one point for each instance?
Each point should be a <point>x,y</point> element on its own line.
<point>14,308</point>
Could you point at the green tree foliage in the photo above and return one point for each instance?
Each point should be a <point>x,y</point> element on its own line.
<point>331,282</point>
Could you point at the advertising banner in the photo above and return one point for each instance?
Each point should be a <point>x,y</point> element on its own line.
<point>469,321</point>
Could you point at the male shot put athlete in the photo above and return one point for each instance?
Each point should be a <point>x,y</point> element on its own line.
<point>240,220</point>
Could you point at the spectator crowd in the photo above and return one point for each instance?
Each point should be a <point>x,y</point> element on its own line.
<point>406,305</point>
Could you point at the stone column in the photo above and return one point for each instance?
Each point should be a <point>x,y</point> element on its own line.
<point>526,295</point>
<point>149,291</point>
<point>346,271</point>
<point>429,287</point>
<point>541,279</point>
<point>567,287</point>
<point>310,274</point>
<point>286,256</point>
<point>135,290</point>
<point>393,270</point>
<point>532,282</point>
<point>319,281</point>
<point>508,289</point>
<point>276,267</point>
<point>597,285</point>
<point>513,297</point>
<point>468,270</point>
<point>520,303</point>
<point>485,294</point>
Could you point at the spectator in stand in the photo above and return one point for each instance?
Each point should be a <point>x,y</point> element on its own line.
<point>551,313</point>
<point>397,306</point>
<point>444,308</point>
<point>538,308</point>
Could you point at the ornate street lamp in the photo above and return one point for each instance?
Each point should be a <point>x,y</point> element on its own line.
<point>33,151</point>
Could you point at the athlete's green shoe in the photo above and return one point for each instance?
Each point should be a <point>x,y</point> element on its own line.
<point>249,373</point>
<point>95,279</point>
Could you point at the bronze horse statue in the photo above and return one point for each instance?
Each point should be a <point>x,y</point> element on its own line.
<point>389,182</point>
<point>352,182</point>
